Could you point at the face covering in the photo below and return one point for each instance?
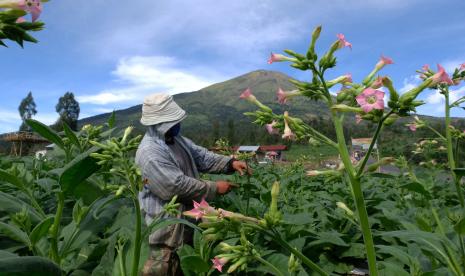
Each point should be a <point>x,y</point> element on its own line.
<point>174,131</point>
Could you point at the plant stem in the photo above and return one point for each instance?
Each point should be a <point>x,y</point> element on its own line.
<point>268,264</point>
<point>358,197</point>
<point>437,133</point>
<point>450,153</point>
<point>248,187</point>
<point>355,184</point>
<point>372,144</point>
<point>137,239</point>
<point>55,228</point>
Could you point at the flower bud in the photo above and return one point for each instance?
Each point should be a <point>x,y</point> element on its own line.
<point>344,207</point>
<point>346,108</point>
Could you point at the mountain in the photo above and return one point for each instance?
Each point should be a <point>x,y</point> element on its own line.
<point>216,111</point>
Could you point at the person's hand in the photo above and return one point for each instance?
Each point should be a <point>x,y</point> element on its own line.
<point>223,187</point>
<point>241,167</point>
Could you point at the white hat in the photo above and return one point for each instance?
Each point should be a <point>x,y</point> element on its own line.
<point>160,108</point>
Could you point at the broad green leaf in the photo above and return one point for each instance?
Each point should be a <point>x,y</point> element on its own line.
<point>71,136</point>
<point>6,254</point>
<point>14,233</point>
<point>460,172</point>
<point>79,169</point>
<point>28,266</point>
<point>297,219</point>
<point>398,252</point>
<point>7,177</point>
<point>41,230</point>
<point>195,263</point>
<point>460,226</point>
<point>88,192</point>
<point>11,204</point>
<point>416,187</point>
<point>46,132</point>
<point>112,120</point>
<point>387,268</point>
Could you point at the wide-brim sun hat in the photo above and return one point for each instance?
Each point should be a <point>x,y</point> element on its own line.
<point>161,108</point>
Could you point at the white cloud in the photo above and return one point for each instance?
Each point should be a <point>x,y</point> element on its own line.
<point>139,76</point>
<point>410,83</point>
<point>10,119</point>
<point>435,101</point>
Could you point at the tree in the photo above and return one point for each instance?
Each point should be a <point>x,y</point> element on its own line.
<point>68,109</point>
<point>231,132</point>
<point>27,109</point>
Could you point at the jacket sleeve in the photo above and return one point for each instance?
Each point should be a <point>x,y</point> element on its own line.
<point>207,161</point>
<point>165,180</point>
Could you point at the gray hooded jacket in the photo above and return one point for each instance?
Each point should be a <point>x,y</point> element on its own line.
<point>164,179</point>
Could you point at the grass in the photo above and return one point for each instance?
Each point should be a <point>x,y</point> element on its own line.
<point>297,151</point>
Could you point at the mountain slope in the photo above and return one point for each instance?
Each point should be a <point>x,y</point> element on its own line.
<point>216,111</point>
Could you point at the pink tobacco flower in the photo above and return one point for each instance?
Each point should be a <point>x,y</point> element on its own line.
<point>371,99</point>
<point>441,77</point>
<point>347,78</point>
<point>383,61</point>
<point>34,7</point>
<point>377,83</point>
<point>425,67</point>
<point>288,134</point>
<point>247,95</point>
<point>218,263</point>
<point>20,20</point>
<point>278,58</point>
<point>358,118</point>
<point>462,66</point>
<point>200,209</point>
<point>270,128</point>
<point>343,42</point>
<point>412,127</point>
<point>283,96</point>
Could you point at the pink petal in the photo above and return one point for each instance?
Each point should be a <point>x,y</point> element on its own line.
<point>386,60</point>
<point>361,99</point>
<point>425,67</point>
<point>366,107</point>
<point>379,94</point>
<point>282,99</point>
<point>379,104</point>
<point>247,93</point>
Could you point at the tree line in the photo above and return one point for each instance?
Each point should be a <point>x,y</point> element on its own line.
<point>67,108</point>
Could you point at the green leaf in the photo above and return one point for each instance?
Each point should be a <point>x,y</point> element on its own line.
<point>459,172</point>
<point>78,170</point>
<point>46,132</point>
<point>6,254</point>
<point>416,187</point>
<point>7,177</point>
<point>71,135</point>
<point>460,226</point>
<point>195,263</point>
<point>11,204</point>
<point>41,230</point>
<point>14,233</point>
<point>112,120</point>
<point>387,268</point>
<point>28,266</point>
<point>297,219</point>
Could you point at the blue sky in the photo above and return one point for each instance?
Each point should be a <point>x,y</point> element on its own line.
<point>112,55</point>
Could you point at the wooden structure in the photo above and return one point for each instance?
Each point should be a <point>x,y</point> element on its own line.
<point>21,138</point>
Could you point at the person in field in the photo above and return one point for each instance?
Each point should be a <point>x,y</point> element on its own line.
<point>170,166</point>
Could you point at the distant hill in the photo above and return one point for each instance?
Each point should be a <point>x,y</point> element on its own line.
<point>216,111</point>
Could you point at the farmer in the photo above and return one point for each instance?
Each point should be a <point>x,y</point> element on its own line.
<point>170,165</point>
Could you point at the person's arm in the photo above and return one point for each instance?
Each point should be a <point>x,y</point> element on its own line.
<point>165,180</point>
<point>209,162</point>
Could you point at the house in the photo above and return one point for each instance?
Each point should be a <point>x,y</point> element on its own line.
<point>263,153</point>
<point>360,147</point>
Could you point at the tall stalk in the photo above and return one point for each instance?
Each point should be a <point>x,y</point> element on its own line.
<point>137,239</point>
<point>450,152</point>
<point>55,227</point>
<point>354,181</point>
